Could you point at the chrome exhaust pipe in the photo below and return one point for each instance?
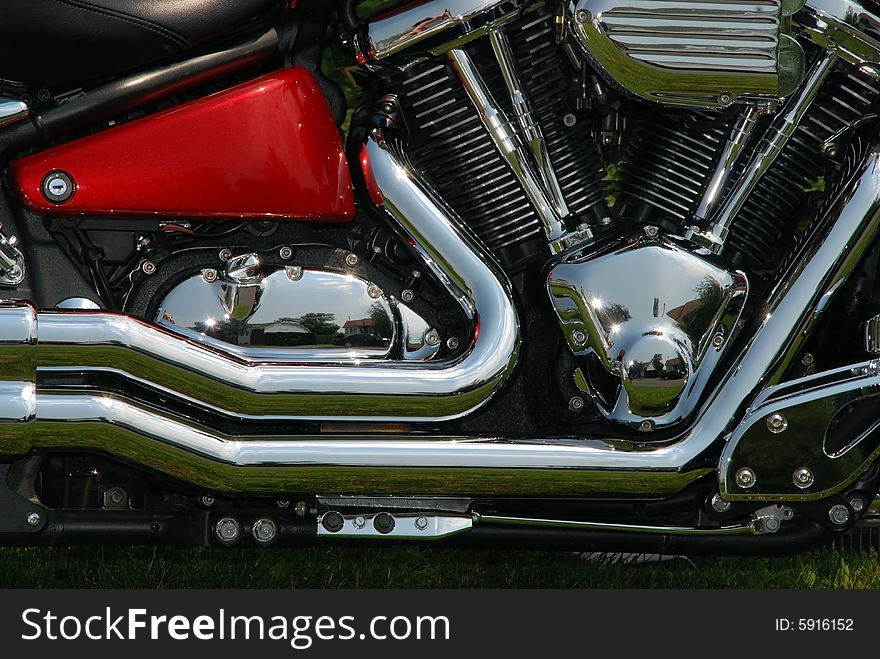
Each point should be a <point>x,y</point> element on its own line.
<point>371,391</point>
<point>54,419</point>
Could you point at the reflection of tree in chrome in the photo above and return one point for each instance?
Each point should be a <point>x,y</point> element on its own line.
<point>696,317</point>
<point>382,323</point>
<point>319,323</point>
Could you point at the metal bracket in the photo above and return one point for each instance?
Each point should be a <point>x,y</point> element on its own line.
<point>17,513</point>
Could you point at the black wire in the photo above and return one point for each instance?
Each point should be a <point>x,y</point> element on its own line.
<point>92,257</point>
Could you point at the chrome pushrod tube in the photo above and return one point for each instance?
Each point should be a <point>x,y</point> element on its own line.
<point>399,391</point>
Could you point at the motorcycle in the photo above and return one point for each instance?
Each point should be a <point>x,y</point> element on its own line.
<point>596,275</point>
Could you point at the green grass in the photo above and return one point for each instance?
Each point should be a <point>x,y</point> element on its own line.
<point>423,568</point>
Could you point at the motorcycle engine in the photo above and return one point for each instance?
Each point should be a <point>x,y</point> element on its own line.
<point>583,142</point>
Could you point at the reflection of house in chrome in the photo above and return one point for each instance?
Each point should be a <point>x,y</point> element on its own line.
<point>360,326</point>
<point>279,333</point>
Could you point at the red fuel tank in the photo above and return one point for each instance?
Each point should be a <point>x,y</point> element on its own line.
<point>267,148</point>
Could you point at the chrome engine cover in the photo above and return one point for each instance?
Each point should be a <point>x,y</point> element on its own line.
<point>650,321</point>
<point>692,52</point>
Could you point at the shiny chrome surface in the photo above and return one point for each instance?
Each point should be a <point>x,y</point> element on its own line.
<point>872,335</point>
<point>647,350</point>
<point>426,25</point>
<point>407,526</point>
<point>12,110</point>
<point>12,266</point>
<point>844,27</point>
<point>530,127</point>
<point>714,236</point>
<point>689,52</point>
<point>318,316</point>
<point>511,148</point>
<point>811,407</point>
<point>612,527</point>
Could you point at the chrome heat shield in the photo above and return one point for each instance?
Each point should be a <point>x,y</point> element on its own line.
<point>649,322</point>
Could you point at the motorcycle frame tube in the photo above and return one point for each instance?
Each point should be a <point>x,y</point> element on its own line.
<point>441,465</point>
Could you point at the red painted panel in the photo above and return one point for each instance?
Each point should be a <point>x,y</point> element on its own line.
<point>265,148</point>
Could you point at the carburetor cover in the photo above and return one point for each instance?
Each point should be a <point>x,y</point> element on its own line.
<point>697,53</point>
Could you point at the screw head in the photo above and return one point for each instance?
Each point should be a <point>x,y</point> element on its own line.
<point>374,291</point>
<point>148,267</point>
<point>583,16</point>
<point>421,523</point>
<point>651,231</point>
<point>857,504</point>
<point>359,522</point>
<point>294,272</point>
<point>776,423</point>
<point>351,260</point>
<point>332,521</point>
<point>807,359</point>
<point>228,529</point>
<point>58,187</point>
<point>116,494</point>
<point>745,478</point>
<point>718,340</point>
<point>225,254</point>
<point>646,426</point>
<point>718,504</point>
<point>34,519</point>
<point>285,252</point>
<point>210,275</point>
<point>772,524</point>
<point>407,295</point>
<point>579,337</point>
<point>724,98</point>
<point>264,530</point>
<point>569,120</point>
<point>384,523</point>
<point>803,478</point>
<point>452,343</point>
<point>576,404</point>
<point>839,514</point>
<point>207,500</point>
<point>432,337</point>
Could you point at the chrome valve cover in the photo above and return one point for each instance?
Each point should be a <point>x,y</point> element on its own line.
<point>650,321</point>
<point>693,52</point>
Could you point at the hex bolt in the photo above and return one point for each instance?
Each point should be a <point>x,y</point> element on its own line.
<point>432,337</point>
<point>569,120</point>
<point>294,272</point>
<point>646,426</point>
<point>407,295</point>
<point>207,501</point>
<point>803,478</point>
<point>776,423</point>
<point>746,478</point>
<point>148,267</point>
<point>583,16</point>
<point>421,523</point>
<point>383,523</point>
<point>724,98</point>
<point>116,494</point>
<point>332,521</point>
<point>857,504</point>
<point>651,231</point>
<point>264,530</point>
<point>210,275</point>
<point>34,519</point>
<point>285,252</point>
<point>718,340</point>
<point>808,359</point>
<point>839,514</point>
<point>576,404</point>
<point>452,343</point>
<point>718,504</point>
<point>228,529</point>
<point>351,260</point>
<point>374,291</point>
<point>225,254</point>
<point>772,524</point>
<point>579,337</point>
<point>359,522</point>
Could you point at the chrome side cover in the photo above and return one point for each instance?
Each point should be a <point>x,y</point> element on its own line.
<point>650,321</point>
<point>690,52</point>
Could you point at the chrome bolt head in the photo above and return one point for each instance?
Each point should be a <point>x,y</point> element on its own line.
<point>569,120</point>
<point>839,514</point>
<point>746,478</point>
<point>651,231</point>
<point>724,98</point>
<point>264,530</point>
<point>646,426</point>
<point>210,275</point>
<point>225,255</point>
<point>452,343</point>
<point>228,529</point>
<point>808,359</point>
<point>803,478</point>
<point>285,252</point>
<point>776,423</point>
<point>857,504</point>
<point>207,501</point>
<point>576,404</point>
<point>432,337</point>
<point>359,522</point>
<point>421,523</point>
<point>407,295</point>
<point>718,504</point>
<point>583,16</point>
<point>148,267</point>
<point>374,291</point>
<point>579,337</point>
<point>718,340</point>
<point>351,260</point>
<point>294,272</point>
<point>34,519</point>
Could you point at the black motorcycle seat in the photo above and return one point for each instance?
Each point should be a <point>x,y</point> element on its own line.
<point>50,43</point>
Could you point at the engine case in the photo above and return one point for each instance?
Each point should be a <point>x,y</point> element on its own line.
<point>646,350</point>
<point>690,52</point>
